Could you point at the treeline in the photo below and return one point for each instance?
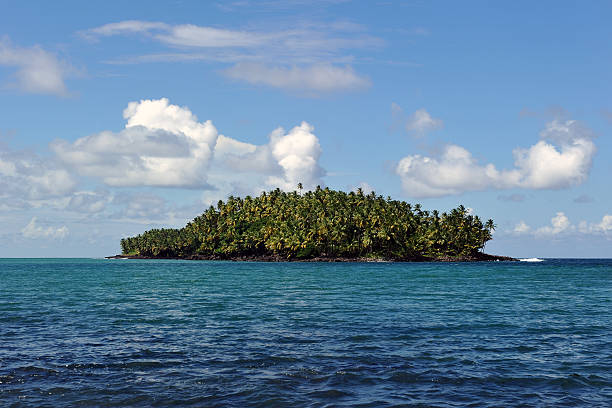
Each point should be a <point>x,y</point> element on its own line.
<point>319,223</point>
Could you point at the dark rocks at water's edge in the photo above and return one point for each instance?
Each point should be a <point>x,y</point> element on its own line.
<point>479,257</point>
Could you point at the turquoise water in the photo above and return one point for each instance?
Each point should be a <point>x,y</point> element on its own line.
<point>188,333</point>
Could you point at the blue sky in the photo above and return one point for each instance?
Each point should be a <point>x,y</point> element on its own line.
<point>118,117</point>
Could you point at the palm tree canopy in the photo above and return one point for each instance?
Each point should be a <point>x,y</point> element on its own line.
<point>319,223</point>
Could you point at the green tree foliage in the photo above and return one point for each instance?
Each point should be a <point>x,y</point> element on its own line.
<point>319,223</point>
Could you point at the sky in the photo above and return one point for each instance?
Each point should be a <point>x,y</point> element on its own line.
<point>117,117</point>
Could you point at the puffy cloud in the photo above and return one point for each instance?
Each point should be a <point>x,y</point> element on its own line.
<point>288,158</point>
<point>26,177</point>
<point>418,123</point>
<point>421,122</point>
<point>542,166</point>
<point>38,71</point>
<point>35,231</point>
<point>605,225</point>
<point>297,153</point>
<point>566,132</point>
<point>319,78</point>
<point>558,224</point>
<point>165,145</point>
<point>455,172</point>
<point>162,145</point>
<point>228,146</point>
<point>521,228</point>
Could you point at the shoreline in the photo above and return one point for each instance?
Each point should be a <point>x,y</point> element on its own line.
<point>479,257</point>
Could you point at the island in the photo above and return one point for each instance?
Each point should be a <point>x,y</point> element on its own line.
<point>319,225</point>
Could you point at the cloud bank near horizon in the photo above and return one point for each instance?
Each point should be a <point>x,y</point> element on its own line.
<point>560,225</point>
<point>562,158</point>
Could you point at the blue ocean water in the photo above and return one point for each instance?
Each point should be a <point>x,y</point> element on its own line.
<point>76,332</point>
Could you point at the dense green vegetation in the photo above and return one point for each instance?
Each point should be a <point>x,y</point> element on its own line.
<point>319,223</point>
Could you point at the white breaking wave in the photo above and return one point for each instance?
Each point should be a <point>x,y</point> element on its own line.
<point>531,260</point>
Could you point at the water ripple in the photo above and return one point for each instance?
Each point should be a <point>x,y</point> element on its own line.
<point>161,333</point>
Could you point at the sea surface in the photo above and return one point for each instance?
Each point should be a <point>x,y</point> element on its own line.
<point>93,332</point>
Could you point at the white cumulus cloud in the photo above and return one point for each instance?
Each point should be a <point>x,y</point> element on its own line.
<point>317,78</point>
<point>541,166</point>
<point>162,145</point>
<point>602,227</point>
<point>287,159</point>
<point>558,224</point>
<point>37,70</point>
<point>419,123</point>
<point>297,153</point>
<point>522,228</point>
<point>605,225</point>
<point>34,231</point>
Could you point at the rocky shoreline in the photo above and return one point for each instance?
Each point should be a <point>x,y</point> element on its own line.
<point>479,257</point>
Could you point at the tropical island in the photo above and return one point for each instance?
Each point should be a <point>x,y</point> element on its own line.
<point>319,225</point>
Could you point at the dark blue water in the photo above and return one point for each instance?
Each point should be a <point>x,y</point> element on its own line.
<point>180,333</point>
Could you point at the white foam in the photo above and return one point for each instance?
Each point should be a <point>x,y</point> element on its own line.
<point>531,260</point>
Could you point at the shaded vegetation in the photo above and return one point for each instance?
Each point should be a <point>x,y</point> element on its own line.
<point>321,223</point>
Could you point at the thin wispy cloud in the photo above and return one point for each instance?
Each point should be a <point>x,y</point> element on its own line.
<point>230,6</point>
<point>321,77</point>
<point>307,54</point>
<point>316,40</point>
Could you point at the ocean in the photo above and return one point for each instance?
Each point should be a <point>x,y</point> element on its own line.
<point>94,332</point>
